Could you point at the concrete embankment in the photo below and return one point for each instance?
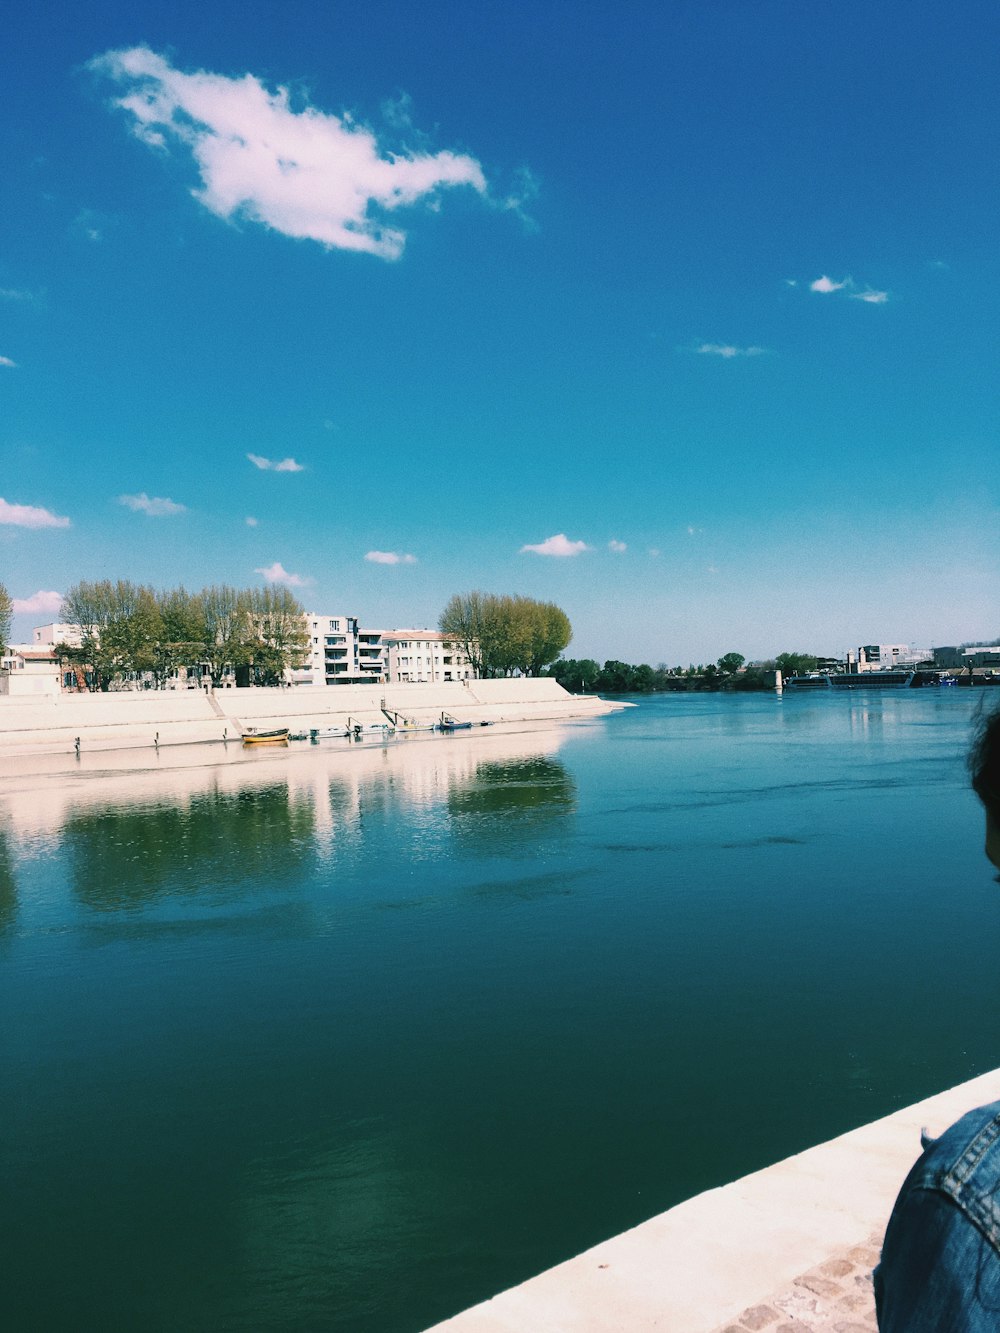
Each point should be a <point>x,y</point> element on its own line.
<point>789,1247</point>
<point>131,720</point>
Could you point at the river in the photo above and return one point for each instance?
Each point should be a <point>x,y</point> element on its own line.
<point>322,1039</point>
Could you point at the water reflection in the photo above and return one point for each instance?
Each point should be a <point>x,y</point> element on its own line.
<point>124,859</point>
<point>517,799</point>
<point>8,887</point>
<point>132,840</point>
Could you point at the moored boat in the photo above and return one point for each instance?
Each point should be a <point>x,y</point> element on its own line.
<point>277,736</point>
<point>854,680</point>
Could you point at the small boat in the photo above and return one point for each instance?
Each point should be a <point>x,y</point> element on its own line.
<point>328,733</point>
<point>279,736</point>
<point>452,724</point>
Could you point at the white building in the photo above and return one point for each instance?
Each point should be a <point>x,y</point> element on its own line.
<point>57,633</point>
<point>27,669</point>
<point>424,655</point>
<point>341,652</point>
<point>885,656</point>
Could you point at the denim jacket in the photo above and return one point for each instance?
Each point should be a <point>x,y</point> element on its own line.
<point>940,1267</point>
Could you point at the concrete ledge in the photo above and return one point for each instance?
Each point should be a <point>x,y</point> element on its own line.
<point>132,720</point>
<point>702,1263</point>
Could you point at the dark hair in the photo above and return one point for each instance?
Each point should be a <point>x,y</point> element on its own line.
<point>984,764</point>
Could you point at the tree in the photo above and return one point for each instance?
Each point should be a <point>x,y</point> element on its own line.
<point>795,664</point>
<point>730,663</point>
<point>184,635</point>
<point>119,624</point>
<point>505,634</point>
<point>6,613</point>
<point>225,628</point>
<point>276,633</point>
<point>575,676</point>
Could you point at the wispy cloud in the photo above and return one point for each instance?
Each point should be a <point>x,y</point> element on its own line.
<point>38,604</point>
<point>826,285</point>
<point>390,558</point>
<point>728,350</point>
<point>559,545</point>
<point>277,573</point>
<point>15,294</point>
<point>849,287</point>
<point>156,506</point>
<point>617,546</point>
<point>30,516</point>
<point>304,173</point>
<point>250,521</point>
<point>693,531</point>
<point>269,465</point>
<point>6,361</point>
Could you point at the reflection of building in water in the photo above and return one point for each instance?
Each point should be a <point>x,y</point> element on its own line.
<point>215,819</point>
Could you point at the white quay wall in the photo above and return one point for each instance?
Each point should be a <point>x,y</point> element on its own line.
<point>126,719</point>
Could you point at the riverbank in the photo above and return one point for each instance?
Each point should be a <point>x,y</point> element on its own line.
<point>789,1247</point>
<point>154,719</point>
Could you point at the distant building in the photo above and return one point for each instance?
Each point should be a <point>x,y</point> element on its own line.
<point>58,633</point>
<point>885,656</point>
<point>962,659</point>
<point>425,655</point>
<point>28,670</point>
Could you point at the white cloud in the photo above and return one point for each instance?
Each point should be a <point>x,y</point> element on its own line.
<point>277,573</point>
<point>871,296</point>
<point>15,294</point>
<point>825,284</point>
<point>390,558</point>
<point>6,361</point>
<point>39,603</point>
<point>559,545</point>
<point>728,351</point>
<point>268,465</point>
<point>693,531</point>
<point>654,552</point>
<point>617,546</point>
<point>155,506</point>
<point>250,521</point>
<point>303,173</point>
<point>28,516</point>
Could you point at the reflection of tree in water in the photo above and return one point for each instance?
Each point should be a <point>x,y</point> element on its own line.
<point>516,798</point>
<point>124,858</point>
<point>8,886</point>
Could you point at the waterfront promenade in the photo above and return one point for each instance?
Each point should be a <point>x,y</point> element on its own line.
<point>789,1249</point>
<point>147,719</point>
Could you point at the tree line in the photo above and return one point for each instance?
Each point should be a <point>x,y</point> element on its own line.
<point>730,672</point>
<point>131,627</point>
<point>506,635</point>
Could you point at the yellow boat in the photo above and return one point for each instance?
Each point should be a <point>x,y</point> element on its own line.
<point>277,737</point>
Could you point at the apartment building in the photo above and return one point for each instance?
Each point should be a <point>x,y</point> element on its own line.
<point>424,655</point>
<point>342,652</point>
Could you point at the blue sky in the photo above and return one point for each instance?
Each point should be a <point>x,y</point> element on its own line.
<point>698,299</point>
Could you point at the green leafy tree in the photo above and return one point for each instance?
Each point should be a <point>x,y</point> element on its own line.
<point>575,676</point>
<point>730,663</point>
<point>795,664</point>
<point>6,614</point>
<point>505,634</point>
<point>183,632</point>
<point>276,633</point>
<point>119,624</point>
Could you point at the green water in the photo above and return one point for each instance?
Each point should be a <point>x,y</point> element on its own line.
<point>331,1039</point>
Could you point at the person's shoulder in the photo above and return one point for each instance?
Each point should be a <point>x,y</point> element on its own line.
<point>964,1166</point>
